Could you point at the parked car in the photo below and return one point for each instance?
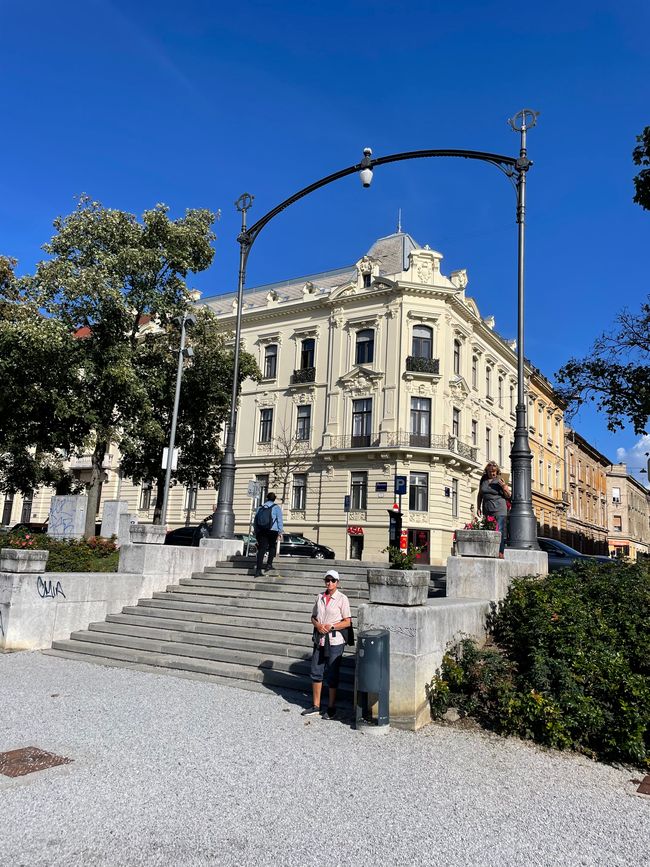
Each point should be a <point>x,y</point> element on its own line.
<point>41,527</point>
<point>561,555</point>
<point>191,536</point>
<point>293,545</point>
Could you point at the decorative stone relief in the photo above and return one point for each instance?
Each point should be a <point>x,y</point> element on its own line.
<point>337,317</point>
<point>264,448</point>
<point>459,278</point>
<point>308,395</point>
<point>267,398</point>
<point>357,517</point>
<point>418,518</point>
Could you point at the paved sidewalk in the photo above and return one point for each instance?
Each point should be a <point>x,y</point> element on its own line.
<point>171,771</point>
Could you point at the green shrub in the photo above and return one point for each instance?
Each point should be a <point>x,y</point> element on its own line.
<point>569,665</point>
<point>71,555</point>
<point>402,559</point>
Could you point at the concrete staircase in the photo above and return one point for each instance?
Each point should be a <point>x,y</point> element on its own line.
<point>225,624</point>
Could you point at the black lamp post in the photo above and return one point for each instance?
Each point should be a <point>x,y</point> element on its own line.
<point>523,526</point>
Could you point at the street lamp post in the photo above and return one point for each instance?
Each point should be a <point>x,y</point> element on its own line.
<point>522,518</point>
<point>183,353</point>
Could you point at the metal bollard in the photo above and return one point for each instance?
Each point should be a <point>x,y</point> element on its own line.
<point>372,674</point>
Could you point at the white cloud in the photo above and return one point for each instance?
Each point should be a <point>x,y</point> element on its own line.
<point>636,458</point>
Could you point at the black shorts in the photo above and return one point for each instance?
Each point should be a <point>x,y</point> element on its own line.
<point>329,667</point>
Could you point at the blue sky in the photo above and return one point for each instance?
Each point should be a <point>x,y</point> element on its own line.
<point>191,104</point>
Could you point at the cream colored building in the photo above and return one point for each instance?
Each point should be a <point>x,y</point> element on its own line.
<point>628,510</point>
<point>546,437</point>
<point>586,470</point>
<point>381,369</point>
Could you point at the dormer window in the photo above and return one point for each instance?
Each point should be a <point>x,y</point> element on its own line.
<point>365,346</point>
<point>367,281</point>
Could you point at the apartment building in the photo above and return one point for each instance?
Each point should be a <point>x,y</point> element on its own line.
<point>586,484</point>
<point>628,510</point>
<point>381,369</point>
<point>546,436</point>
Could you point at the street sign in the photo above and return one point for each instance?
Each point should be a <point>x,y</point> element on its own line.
<point>381,487</point>
<point>346,503</point>
<point>254,488</point>
<point>400,485</point>
<point>174,458</point>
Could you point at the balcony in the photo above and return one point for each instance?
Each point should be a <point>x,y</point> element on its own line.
<point>436,442</point>
<point>355,441</point>
<point>415,364</point>
<point>305,374</point>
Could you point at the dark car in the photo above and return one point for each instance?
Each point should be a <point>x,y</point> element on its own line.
<point>561,555</point>
<point>41,527</point>
<point>293,545</point>
<point>191,536</point>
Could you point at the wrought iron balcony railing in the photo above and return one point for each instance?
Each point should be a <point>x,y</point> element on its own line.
<point>436,442</point>
<point>305,374</point>
<point>423,365</point>
<point>355,441</point>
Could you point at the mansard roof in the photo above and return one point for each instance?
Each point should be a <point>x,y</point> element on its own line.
<point>391,253</point>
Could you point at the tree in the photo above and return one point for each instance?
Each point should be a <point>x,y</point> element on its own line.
<point>615,374</point>
<point>290,455</point>
<point>40,368</point>
<point>203,409</point>
<point>641,157</point>
<point>106,272</point>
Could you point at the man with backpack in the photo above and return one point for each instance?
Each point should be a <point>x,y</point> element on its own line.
<point>268,526</point>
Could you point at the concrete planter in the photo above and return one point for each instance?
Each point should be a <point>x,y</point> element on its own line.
<point>398,586</point>
<point>478,543</point>
<point>23,560</point>
<point>148,534</point>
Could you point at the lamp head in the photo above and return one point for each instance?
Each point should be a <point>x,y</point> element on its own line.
<point>365,174</point>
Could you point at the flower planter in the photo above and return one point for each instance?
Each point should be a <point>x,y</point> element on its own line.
<point>478,543</point>
<point>398,586</point>
<point>23,560</point>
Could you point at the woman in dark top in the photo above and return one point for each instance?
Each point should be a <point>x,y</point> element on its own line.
<point>493,494</point>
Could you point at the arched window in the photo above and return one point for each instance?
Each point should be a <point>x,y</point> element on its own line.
<point>422,342</point>
<point>365,348</point>
<point>271,361</point>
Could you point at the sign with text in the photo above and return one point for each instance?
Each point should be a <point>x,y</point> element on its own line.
<point>400,485</point>
<point>381,487</point>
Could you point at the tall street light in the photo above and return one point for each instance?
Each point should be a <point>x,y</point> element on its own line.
<point>523,526</point>
<point>187,319</point>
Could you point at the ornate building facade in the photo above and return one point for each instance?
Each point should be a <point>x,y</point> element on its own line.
<point>628,509</point>
<point>546,435</point>
<point>586,520</point>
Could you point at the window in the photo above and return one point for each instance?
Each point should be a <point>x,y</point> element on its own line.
<point>474,432</point>
<point>500,450</point>
<point>488,443</point>
<point>454,498</point>
<point>455,422</point>
<point>365,350</point>
<point>540,427</point>
<point>361,422</point>
<point>303,425</point>
<point>618,524</point>
<point>359,491</point>
<point>422,342</point>
<point>541,474</point>
<point>616,495</point>
<point>420,421</point>
<point>457,357</point>
<point>475,371</point>
<point>145,496</point>
<point>419,492</point>
<point>6,509</point>
<point>26,510</point>
<point>307,353</point>
<point>266,425</point>
<point>263,482</point>
<point>299,492</point>
<point>367,281</point>
<point>512,398</point>
<point>500,391</point>
<point>191,494</point>
<point>271,361</point>
<point>488,381</point>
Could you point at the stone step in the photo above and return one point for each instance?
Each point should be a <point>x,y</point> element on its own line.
<point>194,604</point>
<point>242,582</point>
<point>275,593</point>
<point>202,594</point>
<point>256,642</point>
<point>155,608</point>
<point>302,564</point>
<point>222,672</point>
<point>227,628</point>
<point>190,657</point>
<point>236,656</point>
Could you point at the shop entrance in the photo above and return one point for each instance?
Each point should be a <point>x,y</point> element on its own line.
<point>356,547</point>
<point>420,538</point>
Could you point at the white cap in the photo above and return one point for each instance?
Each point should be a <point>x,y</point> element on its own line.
<point>332,574</point>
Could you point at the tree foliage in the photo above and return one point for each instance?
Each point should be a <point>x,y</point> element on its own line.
<point>641,157</point>
<point>615,374</point>
<point>203,409</point>
<point>290,456</point>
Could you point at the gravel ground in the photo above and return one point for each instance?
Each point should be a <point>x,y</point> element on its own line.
<point>173,771</point>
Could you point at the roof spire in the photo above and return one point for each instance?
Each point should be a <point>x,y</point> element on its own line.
<point>399,221</point>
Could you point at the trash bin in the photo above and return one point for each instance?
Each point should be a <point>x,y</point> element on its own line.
<point>372,674</point>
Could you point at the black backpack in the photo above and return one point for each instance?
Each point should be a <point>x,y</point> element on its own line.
<point>264,518</point>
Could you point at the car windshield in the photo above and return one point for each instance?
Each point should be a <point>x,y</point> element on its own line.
<point>553,545</point>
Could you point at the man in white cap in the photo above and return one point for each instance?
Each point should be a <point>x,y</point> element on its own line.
<point>330,616</point>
